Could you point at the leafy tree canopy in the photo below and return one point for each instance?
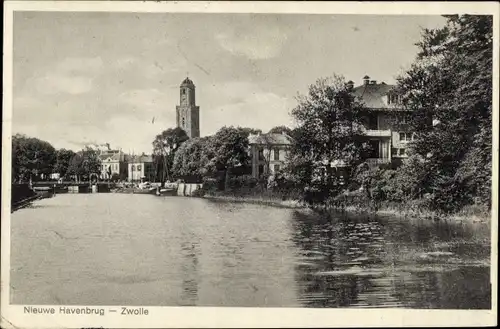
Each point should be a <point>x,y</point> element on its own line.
<point>280,130</point>
<point>450,85</point>
<point>31,157</point>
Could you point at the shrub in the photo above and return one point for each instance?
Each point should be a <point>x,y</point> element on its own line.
<point>210,185</point>
<point>199,193</point>
<point>115,177</point>
<point>244,181</point>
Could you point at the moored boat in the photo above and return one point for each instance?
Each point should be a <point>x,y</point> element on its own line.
<point>166,191</point>
<point>134,190</point>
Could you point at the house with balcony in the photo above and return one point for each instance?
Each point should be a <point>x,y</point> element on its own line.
<point>384,121</point>
<point>268,153</point>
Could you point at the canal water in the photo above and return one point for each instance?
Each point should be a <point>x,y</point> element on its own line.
<point>125,249</point>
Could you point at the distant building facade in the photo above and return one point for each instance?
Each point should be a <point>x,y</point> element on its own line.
<point>113,162</point>
<point>384,121</point>
<point>187,113</point>
<point>141,168</point>
<point>268,153</point>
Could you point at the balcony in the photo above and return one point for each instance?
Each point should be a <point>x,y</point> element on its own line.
<point>377,133</point>
<point>378,161</point>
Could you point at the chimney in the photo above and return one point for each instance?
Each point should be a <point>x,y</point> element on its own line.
<point>350,85</point>
<point>366,80</point>
<point>373,82</point>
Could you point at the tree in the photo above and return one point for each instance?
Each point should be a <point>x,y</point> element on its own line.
<point>31,157</point>
<point>115,177</point>
<point>63,158</point>
<point>450,84</point>
<point>192,158</point>
<point>281,130</point>
<point>83,164</point>
<point>230,149</point>
<point>164,147</point>
<point>247,131</point>
<point>75,166</point>
<point>207,156</point>
<point>328,128</point>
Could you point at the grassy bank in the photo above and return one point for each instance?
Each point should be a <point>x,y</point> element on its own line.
<point>472,213</point>
<point>261,200</point>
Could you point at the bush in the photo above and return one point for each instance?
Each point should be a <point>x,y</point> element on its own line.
<point>115,177</point>
<point>199,193</point>
<point>245,181</point>
<point>210,184</point>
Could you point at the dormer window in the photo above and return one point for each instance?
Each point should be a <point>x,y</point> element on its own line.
<point>393,99</point>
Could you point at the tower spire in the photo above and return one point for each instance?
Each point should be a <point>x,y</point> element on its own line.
<point>188,112</point>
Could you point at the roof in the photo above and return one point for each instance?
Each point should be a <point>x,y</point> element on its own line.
<point>274,139</point>
<point>187,81</point>
<point>139,158</point>
<point>112,156</point>
<point>373,95</point>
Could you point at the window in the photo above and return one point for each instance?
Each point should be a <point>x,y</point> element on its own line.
<point>261,170</point>
<point>374,151</point>
<point>393,99</point>
<point>276,154</point>
<point>276,168</point>
<point>406,137</point>
<point>370,121</point>
<point>394,151</point>
<point>402,152</point>
<point>183,91</point>
<point>261,154</point>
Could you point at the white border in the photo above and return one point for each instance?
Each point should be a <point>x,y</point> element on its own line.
<point>161,317</point>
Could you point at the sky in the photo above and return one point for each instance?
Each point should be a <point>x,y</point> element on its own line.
<point>96,77</point>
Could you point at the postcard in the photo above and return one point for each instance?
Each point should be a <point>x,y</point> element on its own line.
<point>249,164</point>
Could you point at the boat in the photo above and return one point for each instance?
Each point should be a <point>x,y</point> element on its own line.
<point>134,190</point>
<point>44,192</point>
<point>166,191</point>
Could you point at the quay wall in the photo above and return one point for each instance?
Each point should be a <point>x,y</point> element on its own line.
<point>21,192</point>
<point>184,189</point>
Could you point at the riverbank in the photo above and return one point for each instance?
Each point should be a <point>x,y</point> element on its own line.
<point>22,195</point>
<point>474,214</point>
<point>275,202</point>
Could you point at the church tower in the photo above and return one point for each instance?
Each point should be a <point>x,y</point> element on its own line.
<point>188,114</point>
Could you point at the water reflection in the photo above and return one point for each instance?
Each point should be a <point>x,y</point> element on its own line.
<point>382,262</point>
